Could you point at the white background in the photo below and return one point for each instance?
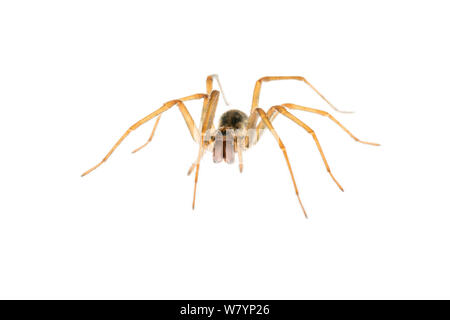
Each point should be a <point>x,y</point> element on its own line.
<point>74,75</point>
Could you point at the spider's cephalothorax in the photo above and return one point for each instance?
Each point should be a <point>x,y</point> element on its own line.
<point>236,132</point>
<point>232,125</point>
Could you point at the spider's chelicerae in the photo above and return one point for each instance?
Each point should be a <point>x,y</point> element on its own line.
<point>236,131</point>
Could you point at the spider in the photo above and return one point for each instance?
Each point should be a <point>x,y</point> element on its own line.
<point>236,131</point>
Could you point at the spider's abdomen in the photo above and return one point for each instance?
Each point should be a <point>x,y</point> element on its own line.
<point>234,119</point>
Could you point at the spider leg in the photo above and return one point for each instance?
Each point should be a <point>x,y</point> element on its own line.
<point>257,90</point>
<point>272,114</point>
<point>194,164</point>
<point>187,118</point>
<point>206,125</point>
<point>289,115</point>
<point>268,123</point>
<point>209,89</point>
<point>241,161</point>
<point>187,115</point>
<point>326,114</point>
<point>197,167</point>
<point>260,127</point>
<point>151,136</point>
<point>166,106</point>
<point>209,86</point>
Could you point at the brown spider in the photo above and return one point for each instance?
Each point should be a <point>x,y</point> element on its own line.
<point>236,131</point>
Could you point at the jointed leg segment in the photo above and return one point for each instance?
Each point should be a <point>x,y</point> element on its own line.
<point>272,113</point>
<point>209,86</point>
<point>267,122</point>
<point>257,90</point>
<point>151,135</point>
<point>289,115</point>
<point>162,109</point>
<point>275,110</point>
<point>326,114</point>
<point>207,123</point>
<point>190,123</point>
